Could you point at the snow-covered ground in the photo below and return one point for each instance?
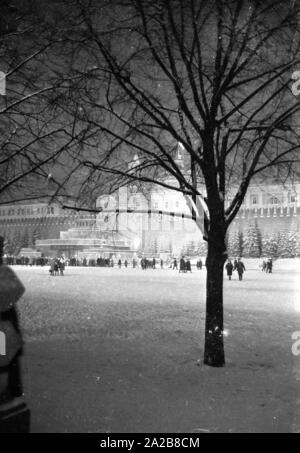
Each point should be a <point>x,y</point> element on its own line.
<point>120,350</point>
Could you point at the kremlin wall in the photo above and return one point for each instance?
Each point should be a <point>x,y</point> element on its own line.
<point>273,209</point>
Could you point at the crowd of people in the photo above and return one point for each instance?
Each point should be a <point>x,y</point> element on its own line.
<point>267,265</point>
<point>182,264</point>
<point>25,260</point>
<point>236,265</point>
<point>57,266</point>
<point>147,263</point>
<point>154,263</point>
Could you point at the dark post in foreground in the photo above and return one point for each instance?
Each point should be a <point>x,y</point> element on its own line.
<point>14,413</point>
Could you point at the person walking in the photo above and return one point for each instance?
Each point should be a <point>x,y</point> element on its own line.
<point>229,268</point>
<point>240,267</point>
<point>56,267</point>
<point>52,267</point>
<point>269,266</point>
<point>175,264</point>
<point>61,266</point>
<point>182,265</point>
<point>161,264</point>
<point>188,267</point>
<point>235,264</point>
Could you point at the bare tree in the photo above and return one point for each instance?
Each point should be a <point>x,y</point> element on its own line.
<point>211,75</point>
<point>38,136</point>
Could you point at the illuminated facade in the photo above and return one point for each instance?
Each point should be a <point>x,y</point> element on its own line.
<point>273,207</point>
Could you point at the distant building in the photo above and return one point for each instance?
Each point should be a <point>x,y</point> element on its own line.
<point>23,224</point>
<point>151,224</point>
<point>46,219</point>
<point>273,208</point>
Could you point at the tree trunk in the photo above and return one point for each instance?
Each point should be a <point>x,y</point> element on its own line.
<point>214,345</point>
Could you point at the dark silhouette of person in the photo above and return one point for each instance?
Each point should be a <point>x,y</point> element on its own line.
<point>182,265</point>
<point>188,267</point>
<point>240,267</point>
<point>269,266</point>
<point>229,269</point>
